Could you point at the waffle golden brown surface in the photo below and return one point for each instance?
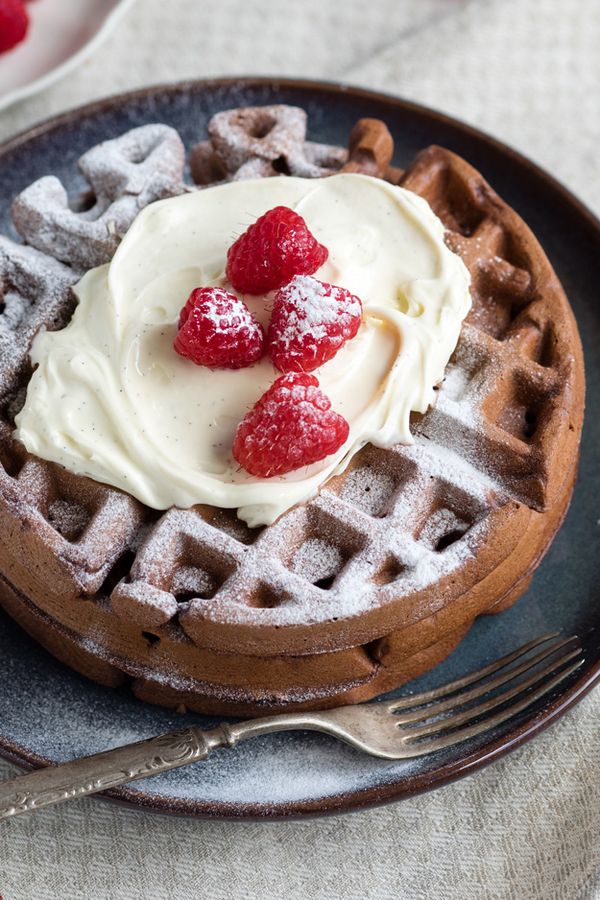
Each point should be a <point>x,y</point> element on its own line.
<point>372,582</point>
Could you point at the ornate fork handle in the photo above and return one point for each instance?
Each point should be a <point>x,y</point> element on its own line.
<point>91,774</point>
<point>56,784</point>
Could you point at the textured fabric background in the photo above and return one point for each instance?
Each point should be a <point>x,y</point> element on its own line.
<point>527,827</point>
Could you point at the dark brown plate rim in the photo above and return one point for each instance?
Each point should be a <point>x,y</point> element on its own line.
<point>420,782</point>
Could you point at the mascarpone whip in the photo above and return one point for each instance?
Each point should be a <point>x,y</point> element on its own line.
<point>112,400</point>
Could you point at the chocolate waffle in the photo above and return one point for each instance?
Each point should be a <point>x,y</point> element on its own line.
<point>379,577</point>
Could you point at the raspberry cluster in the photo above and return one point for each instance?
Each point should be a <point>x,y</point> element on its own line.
<point>292,424</point>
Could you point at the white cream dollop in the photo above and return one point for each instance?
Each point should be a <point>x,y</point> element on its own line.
<point>111,399</point>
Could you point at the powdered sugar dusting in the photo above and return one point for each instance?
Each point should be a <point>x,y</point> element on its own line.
<point>312,306</point>
<point>443,525</point>
<point>316,560</point>
<point>125,174</point>
<point>68,518</point>
<point>193,580</point>
<point>34,292</point>
<point>226,312</point>
<point>369,489</point>
<point>262,141</point>
<point>455,383</point>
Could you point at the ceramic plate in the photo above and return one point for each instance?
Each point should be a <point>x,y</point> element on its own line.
<point>48,713</point>
<point>61,34</point>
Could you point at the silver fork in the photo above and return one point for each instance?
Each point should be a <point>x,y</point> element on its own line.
<point>399,729</point>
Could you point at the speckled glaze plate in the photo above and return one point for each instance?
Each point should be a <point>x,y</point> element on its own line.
<point>49,714</point>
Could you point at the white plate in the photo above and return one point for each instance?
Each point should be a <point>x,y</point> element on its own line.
<point>61,34</point>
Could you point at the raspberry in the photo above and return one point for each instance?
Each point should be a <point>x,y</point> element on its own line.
<point>292,425</point>
<point>217,329</point>
<point>311,320</point>
<point>14,22</point>
<point>273,250</point>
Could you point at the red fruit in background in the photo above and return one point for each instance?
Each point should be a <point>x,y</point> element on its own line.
<point>270,252</point>
<point>216,329</point>
<point>14,22</point>
<point>291,425</point>
<point>310,322</point>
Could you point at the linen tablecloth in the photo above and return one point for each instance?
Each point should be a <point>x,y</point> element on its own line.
<point>528,826</point>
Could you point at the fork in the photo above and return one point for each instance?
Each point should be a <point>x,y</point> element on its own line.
<point>408,727</point>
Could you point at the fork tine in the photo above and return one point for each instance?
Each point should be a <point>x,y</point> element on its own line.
<point>453,686</point>
<point>462,734</point>
<point>485,687</point>
<point>475,711</point>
